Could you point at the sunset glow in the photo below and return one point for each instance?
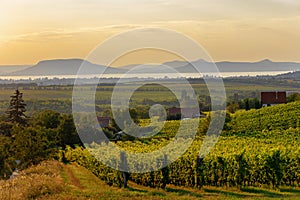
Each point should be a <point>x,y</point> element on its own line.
<point>33,30</point>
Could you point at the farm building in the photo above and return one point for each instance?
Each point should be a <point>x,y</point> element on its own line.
<point>104,121</point>
<point>273,98</point>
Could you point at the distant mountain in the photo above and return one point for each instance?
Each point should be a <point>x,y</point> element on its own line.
<point>71,67</point>
<point>225,66</point>
<point>64,67</point>
<point>5,69</point>
<point>175,63</point>
<point>264,65</point>
<point>147,68</point>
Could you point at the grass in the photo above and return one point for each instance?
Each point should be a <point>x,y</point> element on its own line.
<point>56,181</point>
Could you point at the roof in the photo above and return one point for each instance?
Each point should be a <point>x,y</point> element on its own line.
<point>104,121</point>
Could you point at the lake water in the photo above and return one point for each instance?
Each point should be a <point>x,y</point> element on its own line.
<point>163,75</point>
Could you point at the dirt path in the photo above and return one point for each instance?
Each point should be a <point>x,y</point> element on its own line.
<point>74,181</point>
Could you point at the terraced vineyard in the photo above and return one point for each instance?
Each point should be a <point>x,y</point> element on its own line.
<point>261,149</point>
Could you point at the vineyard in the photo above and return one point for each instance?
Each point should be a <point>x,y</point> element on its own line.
<point>280,117</point>
<point>260,148</point>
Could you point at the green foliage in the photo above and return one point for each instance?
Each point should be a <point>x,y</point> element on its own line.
<point>49,119</point>
<point>267,161</point>
<point>16,111</point>
<point>5,128</point>
<point>61,124</point>
<point>84,158</point>
<point>232,107</point>
<point>280,117</point>
<point>293,97</point>
<point>38,141</point>
<point>7,162</point>
<point>262,157</point>
<point>32,145</point>
<point>67,131</point>
<point>247,105</point>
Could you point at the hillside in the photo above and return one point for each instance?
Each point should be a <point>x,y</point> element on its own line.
<point>280,117</point>
<point>56,181</point>
<point>6,69</point>
<point>227,66</point>
<point>63,67</point>
<point>248,154</point>
<point>292,75</point>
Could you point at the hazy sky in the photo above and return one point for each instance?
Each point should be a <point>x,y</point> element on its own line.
<point>237,30</point>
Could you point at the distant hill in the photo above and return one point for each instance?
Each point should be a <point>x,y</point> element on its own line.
<point>71,66</point>
<point>5,69</point>
<point>64,67</point>
<point>292,75</point>
<point>175,63</point>
<point>264,65</point>
<point>226,66</point>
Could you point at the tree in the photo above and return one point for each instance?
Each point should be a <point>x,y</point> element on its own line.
<point>5,128</point>
<point>67,132</point>
<point>232,107</point>
<point>47,118</point>
<point>7,161</point>
<point>17,108</point>
<point>32,145</point>
<point>257,104</point>
<point>293,97</point>
<point>247,105</point>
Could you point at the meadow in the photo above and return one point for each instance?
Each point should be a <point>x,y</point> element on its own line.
<point>59,98</point>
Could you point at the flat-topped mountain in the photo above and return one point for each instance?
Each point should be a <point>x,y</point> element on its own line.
<point>65,67</point>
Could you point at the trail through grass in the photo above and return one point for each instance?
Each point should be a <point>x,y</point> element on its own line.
<point>56,181</point>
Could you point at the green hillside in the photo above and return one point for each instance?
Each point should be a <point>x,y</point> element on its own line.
<point>280,117</point>
<point>255,156</point>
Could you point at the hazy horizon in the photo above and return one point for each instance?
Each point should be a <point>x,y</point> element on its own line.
<point>229,30</point>
<point>167,61</point>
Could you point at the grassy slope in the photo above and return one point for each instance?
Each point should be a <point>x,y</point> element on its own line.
<point>54,180</point>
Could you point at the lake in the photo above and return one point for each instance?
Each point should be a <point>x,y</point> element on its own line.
<point>149,75</point>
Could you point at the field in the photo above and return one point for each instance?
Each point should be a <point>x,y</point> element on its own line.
<point>59,98</point>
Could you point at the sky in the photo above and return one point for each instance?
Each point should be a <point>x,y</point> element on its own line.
<point>229,30</point>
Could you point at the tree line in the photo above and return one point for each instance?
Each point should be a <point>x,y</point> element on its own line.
<point>26,141</point>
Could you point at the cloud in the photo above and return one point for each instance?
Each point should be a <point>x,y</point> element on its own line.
<point>64,34</point>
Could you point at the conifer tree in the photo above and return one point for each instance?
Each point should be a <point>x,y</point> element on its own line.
<point>17,108</point>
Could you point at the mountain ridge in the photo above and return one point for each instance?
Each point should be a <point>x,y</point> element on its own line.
<point>71,67</point>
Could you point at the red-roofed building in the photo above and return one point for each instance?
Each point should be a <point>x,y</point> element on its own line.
<point>273,98</point>
<point>104,121</point>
